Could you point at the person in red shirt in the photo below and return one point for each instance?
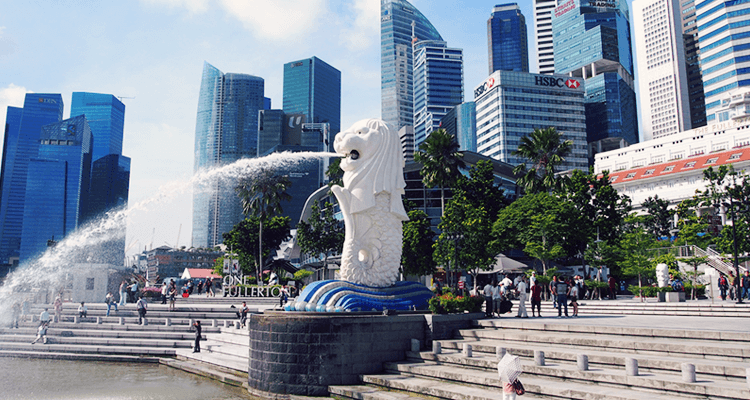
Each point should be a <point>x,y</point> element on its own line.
<point>536,299</point>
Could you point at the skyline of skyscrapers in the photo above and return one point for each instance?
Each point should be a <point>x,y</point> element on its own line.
<point>662,70</point>
<point>507,42</point>
<point>543,35</point>
<point>226,130</point>
<point>438,85</point>
<point>692,64</point>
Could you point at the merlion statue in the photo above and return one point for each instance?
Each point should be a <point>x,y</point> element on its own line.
<point>662,274</point>
<point>370,202</point>
<point>373,211</point>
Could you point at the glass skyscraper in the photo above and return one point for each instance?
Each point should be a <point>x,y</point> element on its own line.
<point>57,186</point>
<point>396,66</point>
<point>438,85</point>
<point>22,137</point>
<point>226,130</point>
<point>461,122</point>
<point>506,39</point>
<point>723,30</point>
<point>313,88</point>
<point>543,35</point>
<point>592,41</point>
<point>106,116</point>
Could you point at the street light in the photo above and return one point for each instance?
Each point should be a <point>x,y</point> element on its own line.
<point>455,237</point>
<point>738,277</point>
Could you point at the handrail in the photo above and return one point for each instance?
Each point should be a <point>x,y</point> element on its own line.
<point>713,258</point>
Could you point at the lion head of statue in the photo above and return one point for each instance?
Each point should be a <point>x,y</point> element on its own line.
<point>372,163</point>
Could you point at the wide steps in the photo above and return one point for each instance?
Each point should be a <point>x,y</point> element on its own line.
<point>365,392</point>
<point>207,370</point>
<point>232,362</point>
<point>89,349</point>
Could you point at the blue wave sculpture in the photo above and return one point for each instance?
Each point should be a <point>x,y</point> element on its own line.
<point>340,296</point>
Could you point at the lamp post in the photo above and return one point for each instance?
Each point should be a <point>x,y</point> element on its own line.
<point>455,237</point>
<point>738,276</point>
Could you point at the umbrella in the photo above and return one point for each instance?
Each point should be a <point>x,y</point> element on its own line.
<point>509,368</point>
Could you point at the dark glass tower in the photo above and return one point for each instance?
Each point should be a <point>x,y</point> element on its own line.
<point>396,59</point>
<point>226,130</point>
<point>506,39</point>
<point>313,88</point>
<point>57,185</point>
<point>106,117</point>
<point>592,41</point>
<point>23,132</point>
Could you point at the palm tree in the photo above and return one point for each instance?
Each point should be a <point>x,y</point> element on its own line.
<point>545,149</point>
<point>261,196</point>
<point>441,161</point>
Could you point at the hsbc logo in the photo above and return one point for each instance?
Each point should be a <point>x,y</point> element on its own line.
<point>556,82</point>
<point>487,85</point>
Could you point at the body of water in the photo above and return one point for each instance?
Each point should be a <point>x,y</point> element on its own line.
<point>35,379</point>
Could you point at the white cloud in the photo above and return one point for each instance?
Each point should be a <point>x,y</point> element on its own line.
<point>10,96</point>
<point>365,27</point>
<point>192,6</point>
<point>282,21</point>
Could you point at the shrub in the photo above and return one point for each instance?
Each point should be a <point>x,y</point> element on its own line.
<point>450,304</point>
<point>151,292</point>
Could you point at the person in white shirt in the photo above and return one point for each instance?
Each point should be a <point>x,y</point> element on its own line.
<point>521,290</point>
<point>497,297</point>
<point>487,292</point>
<point>532,279</point>
<point>82,310</point>
<point>506,281</point>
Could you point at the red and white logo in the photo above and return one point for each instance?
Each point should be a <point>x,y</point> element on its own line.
<point>572,83</point>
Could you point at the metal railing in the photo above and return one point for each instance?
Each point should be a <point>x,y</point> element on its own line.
<point>713,258</point>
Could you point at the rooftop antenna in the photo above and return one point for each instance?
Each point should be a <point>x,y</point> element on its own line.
<point>177,243</point>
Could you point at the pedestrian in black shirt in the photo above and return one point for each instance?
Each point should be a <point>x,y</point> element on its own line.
<point>197,346</point>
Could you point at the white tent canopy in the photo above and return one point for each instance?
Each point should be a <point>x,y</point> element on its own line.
<point>503,264</point>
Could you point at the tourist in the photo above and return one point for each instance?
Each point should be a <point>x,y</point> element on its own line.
<point>209,288</point>
<point>15,313</point>
<point>732,285</point>
<point>58,306</point>
<point>44,317</point>
<point>487,293</point>
<point>110,300</point>
<point>26,310</point>
<point>41,332</point>
<point>164,291</point>
<point>507,282</point>
<point>198,329</point>
<point>123,288</point>
<point>190,287</point>
<point>243,314</point>
<point>552,291</point>
<point>677,285</point>
<point>521,291</point>
<point>172,294</point>
<point>536,299</point>
<point>561,291</point>
<point>532,279</point>
<point>497,297</point>
<point>82,310</point>
<point>283,296</point>
<point>200,286</point>
<point>612,287</point>
<point>141,306</point>
<point>723,286</point>
<point>574,292</point>
<point>746,285</point>
<point>134,291</point>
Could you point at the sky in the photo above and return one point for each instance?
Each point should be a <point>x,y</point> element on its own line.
<point>151,54</point>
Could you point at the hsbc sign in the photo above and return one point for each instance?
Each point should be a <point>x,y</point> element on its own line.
<point>487,85</point>
<point>551,81</point>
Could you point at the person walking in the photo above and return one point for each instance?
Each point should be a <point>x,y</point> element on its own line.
<point>134,291</point>
<point>209,287</point>
<point>110,300</point>
<point>142,307</point>
<point>283,296</point>
<point>497,297</point>
<point>198,337</point>
<point>243,314</point>
<point>746,285</point>
<point>172,292</point>
<point>58,305</point>
<point>521,292</point>
<point>487,293</point>
<point>612,287</point>
<point>574,293</point>
<point>732,286</point>
<point>536,299</point>
<point>560,291</point>
<point>723,286</point>
<point>164,291</point>
<point>200,286</point>
<point>123,293</point>
<point>552,291</point>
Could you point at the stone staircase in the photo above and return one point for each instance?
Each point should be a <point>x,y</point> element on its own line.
<point>720,359</point>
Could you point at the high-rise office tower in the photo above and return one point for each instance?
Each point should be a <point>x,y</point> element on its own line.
<point>396,66</point>
<point>461,122</point>
<point>692,64</point>
<point>57,185</point>
<point>507,43</point>
<point>543,35</point>
<point>22,134</point>
<point>438,85</point>
<point>226,130</point>
<point>592,41</point>
<point>662,74</point>
<point>723,30</point>
<point>313,88</point>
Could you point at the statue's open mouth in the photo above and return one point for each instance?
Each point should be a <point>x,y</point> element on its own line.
<point>354,154</point>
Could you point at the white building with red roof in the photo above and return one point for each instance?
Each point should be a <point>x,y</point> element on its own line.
<point>672,166</point>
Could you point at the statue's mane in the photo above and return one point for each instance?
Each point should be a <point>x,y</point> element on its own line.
<point>382,173</point>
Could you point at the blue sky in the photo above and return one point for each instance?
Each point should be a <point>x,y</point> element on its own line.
<point>153,51</point>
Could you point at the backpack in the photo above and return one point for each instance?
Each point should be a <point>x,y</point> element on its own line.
<point>723,281</point>
<point>677,286</point>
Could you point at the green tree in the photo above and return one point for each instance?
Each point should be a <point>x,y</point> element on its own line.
<point>441,162</point>
<point>729,191</point>
<point>335,173</point>
<point>545,150</point>
<point>694,262</point>
<point>321,233</point>
<point>418,239</point>
<point>261,196</point>
<point>635,245</point>
<point>244,239</point>
<point>658,218</point>
<point>693,229</point>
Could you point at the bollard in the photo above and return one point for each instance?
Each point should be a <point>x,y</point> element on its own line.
<point>76,319</point>
<point>122,320</point>
<point>583,362</point>
<point>499,352</point>
<point>167,321</point>
<point>747,377</point>
<point>688,372</point>
<point>467,350</point>
<point>415,345</point>
<point>437,347</point>
<point>191,322</point>
<point>213,323</point>
<point>144,322</point>
<point>98,320</point>
<point>539,358</point>
<point>226,324</point>
<point>236,324</point>
<point>631,366</point>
